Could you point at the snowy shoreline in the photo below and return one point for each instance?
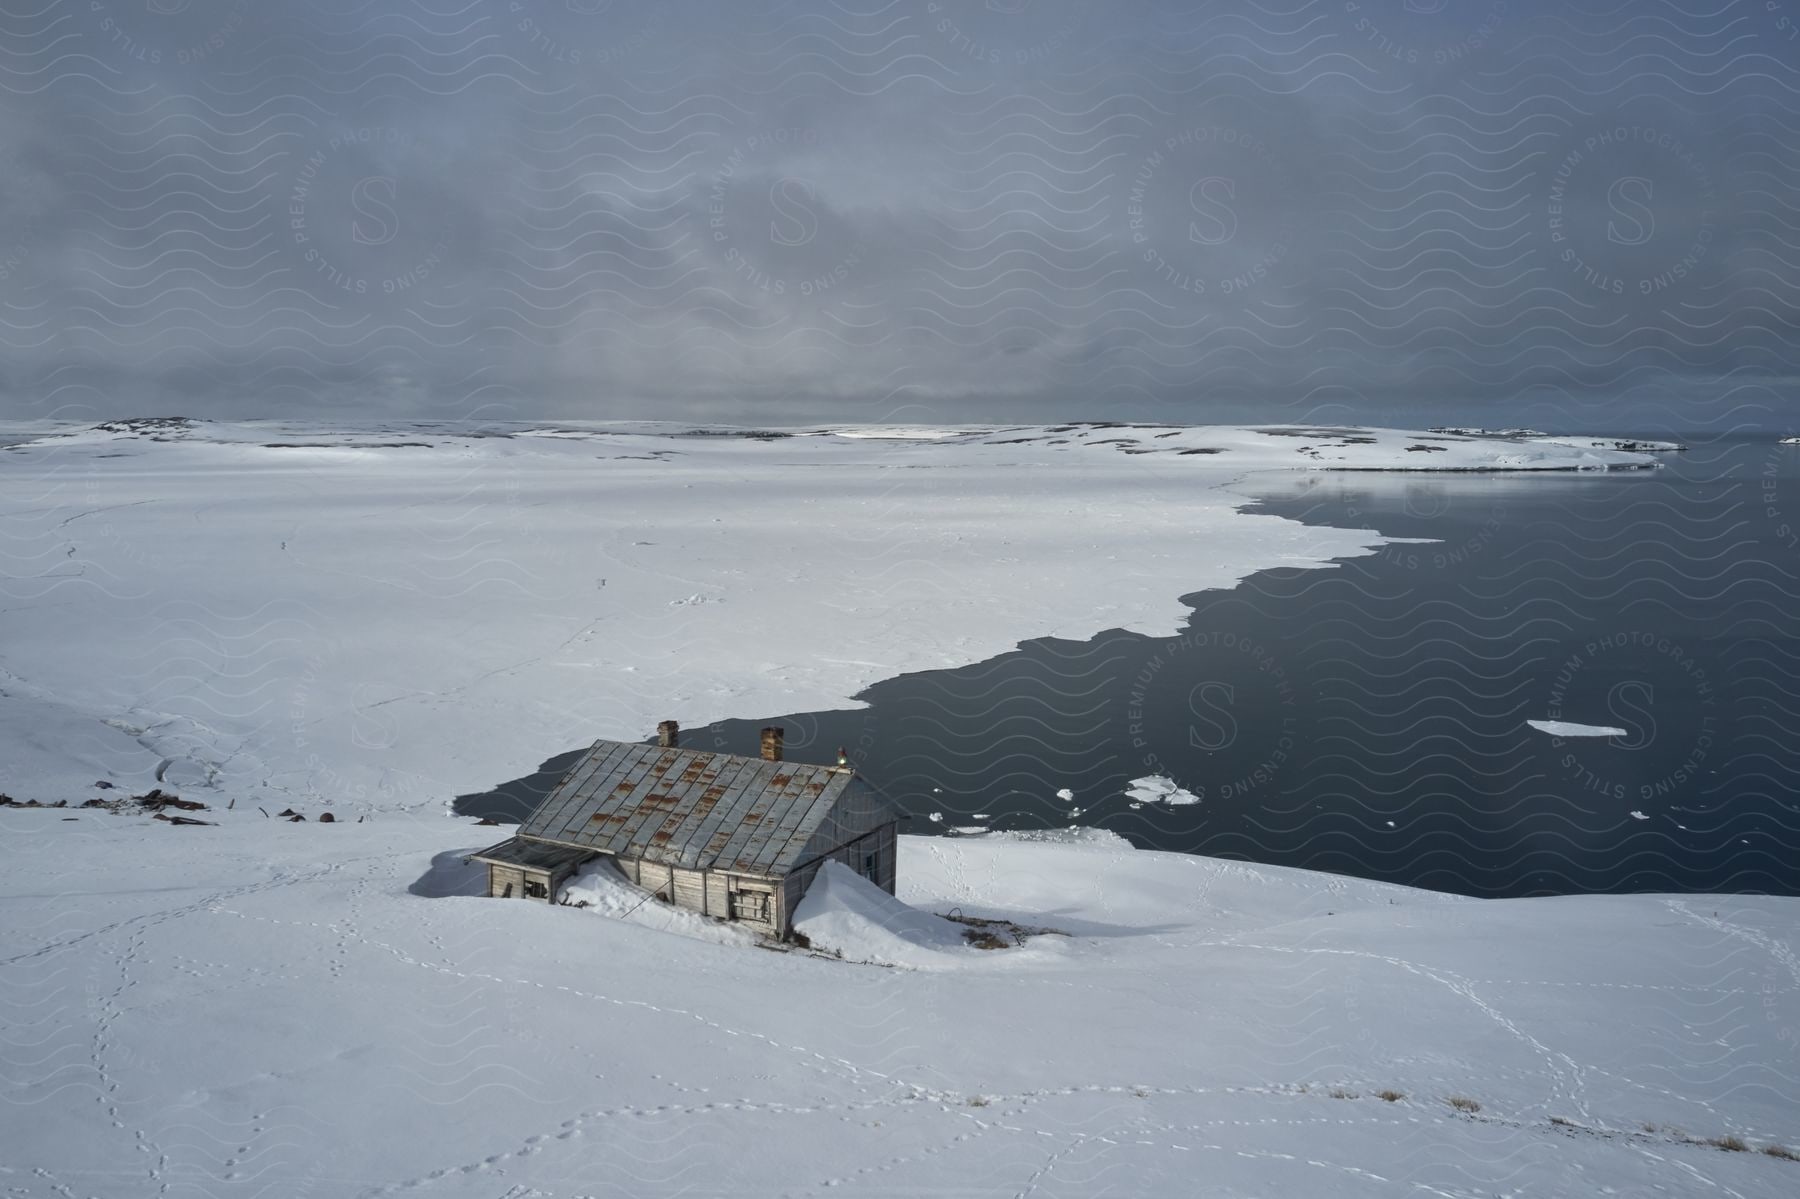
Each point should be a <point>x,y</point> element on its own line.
<point>395,613</point>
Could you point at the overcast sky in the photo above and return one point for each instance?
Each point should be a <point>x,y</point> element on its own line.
<point>1406,210</point>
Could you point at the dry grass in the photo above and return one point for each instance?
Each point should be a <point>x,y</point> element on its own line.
<point>1562,1122</point>
<point>1390,1096</point>
<point>1341,1093</point>
<point>979,1101</point>
<point>1782,1152</point>
<point>1463,1103</point>
<point>984,933</point>
<point>1730,1142</point>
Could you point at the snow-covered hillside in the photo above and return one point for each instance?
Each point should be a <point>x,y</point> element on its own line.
<point>263,1008</point>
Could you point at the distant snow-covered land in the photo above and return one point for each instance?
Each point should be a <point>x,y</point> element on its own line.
<point>369,621</point>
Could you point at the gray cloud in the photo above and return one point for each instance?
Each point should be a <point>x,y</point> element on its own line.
<point>1017,209</point>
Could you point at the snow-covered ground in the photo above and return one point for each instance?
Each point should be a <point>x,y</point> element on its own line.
<point>265,1008</point>
<point>374,620</point>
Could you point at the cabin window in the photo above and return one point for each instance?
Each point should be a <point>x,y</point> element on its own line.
<point>870,859</point>
<point>536,889</point>
<point>750,905</point>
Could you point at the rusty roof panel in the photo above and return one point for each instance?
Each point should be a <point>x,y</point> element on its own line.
<point>680,793</point>
<point>765,825</point>
<point>564,805</point>
<point>688,808</point>
<point>651,806</point>
<point>795,819</point>
<point>711,807</point>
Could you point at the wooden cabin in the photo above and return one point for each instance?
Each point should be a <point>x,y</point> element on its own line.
<point>733,837</point>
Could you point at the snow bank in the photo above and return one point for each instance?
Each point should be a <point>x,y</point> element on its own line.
<point>847,914</point>
<point>1078,834</point>
<point>266,1012</point>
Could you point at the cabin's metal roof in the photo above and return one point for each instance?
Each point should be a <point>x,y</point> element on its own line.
<point>532,855</point>
<point>688,808</point>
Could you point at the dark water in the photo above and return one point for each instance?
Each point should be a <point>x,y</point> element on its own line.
<point>1369,719</point>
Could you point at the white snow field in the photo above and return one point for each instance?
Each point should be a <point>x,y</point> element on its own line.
<point>373,620</point>
<point>263,1008</point>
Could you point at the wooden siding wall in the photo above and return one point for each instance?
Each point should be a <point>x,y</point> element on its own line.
<point>654,878</point>
<point>704,891</point>
<point>857,812</point>
<point>560,876</point>
<point>690,891</point>
<point>793,890</point>
<point>501,877</point>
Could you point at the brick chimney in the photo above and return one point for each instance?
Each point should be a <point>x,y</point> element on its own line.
<point>668,734</point>
<point>771,743</point>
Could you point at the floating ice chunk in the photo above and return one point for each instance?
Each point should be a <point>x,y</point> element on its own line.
<point>1065,795</point>
<point>1156,788</point>
<point>1637,815</point>
<point>1563,728</point>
